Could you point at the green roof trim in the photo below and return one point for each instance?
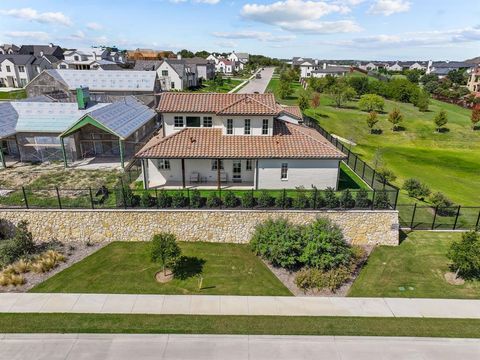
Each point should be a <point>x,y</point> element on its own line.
<point>87,120</point>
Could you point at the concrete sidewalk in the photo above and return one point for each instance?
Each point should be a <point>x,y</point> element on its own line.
<point>237,305</point>
<point>216,347</point>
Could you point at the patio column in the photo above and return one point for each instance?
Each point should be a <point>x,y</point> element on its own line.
<point>145,173</point>
<point>183,174</point>
<point>2,158</point>
<point>64,153</point>
<point>122,159</point>
<point>255,176</point>
<point>219,183</point>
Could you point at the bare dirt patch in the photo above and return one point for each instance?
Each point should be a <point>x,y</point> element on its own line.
<point>452,279</point>
<point>163,278</point>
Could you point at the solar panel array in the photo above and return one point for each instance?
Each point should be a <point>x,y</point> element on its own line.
<point>112,80</point>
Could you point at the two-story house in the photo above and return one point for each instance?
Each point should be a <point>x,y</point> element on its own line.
<point>203,68</point>
<point>474,81</point>
<point>9,49</point>
<point>225,66</point>
<point>176,74</point>
<point>245,140</point>
<point>88,59</point>
<point>42,50</point>
<point>18,70</point>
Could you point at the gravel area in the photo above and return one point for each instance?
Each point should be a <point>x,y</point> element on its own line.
<point>75,252</point>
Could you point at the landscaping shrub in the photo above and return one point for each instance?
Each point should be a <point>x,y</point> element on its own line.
<point>196,200</point>
<point>213,200</point>
<point>265,200</point>
<point>381,200</point>
<point>179,200</point>
<point>331,199</point>
<point>416,189</point>
<point>165,250</point>
<point>130,198</point>
<point>318,199</point>
<point>445,207</point>
<point>20,245</point>
<point>371,102</point>
<point>346,200</point>
<point>230,200</point>
<point>465,256</point>
<point>361,200</point>
<point>385,175</point>
<point>283,201</point>
<point>163,199</point>
<point>3,229</point>
<point>311,278</point>
<point>146,200</point>
<point>325,247</point>
<point>248,201</point>
<point>279,242</point>
<point>301,200</point>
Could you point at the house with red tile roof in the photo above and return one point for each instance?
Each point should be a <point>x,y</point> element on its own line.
<point>236,140</point>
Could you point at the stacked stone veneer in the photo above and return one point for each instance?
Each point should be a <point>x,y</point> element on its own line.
<point>229,226</point>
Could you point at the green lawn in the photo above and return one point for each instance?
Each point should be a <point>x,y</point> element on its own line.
<point>446,162</point>
<point>13,95</point>
<point>253,325</point>
<point>416,268</point>
<point>228,84</point>
<point>125,267</point>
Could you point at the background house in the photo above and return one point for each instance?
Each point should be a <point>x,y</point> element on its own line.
<point>9,49</point>
<point>474,81</point>
<point>105,86</point>
<point>225,66</point>
<point>204,69</point>
<point>88,59</point>
<point>42,50</point>
<point>18,70</point>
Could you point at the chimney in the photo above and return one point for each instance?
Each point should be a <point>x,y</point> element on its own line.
<point>50,45</point>
<point>179,56</point>
<point>83,97</point>
<point>324,66</point>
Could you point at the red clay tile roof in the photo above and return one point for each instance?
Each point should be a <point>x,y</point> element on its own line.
<point>288,141</point>
<point>223,104</point>
<point>292,110</point>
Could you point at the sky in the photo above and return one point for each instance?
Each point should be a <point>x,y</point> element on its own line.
<point>326,29</point>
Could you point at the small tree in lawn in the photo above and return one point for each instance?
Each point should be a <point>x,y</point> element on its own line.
<point>372,120</point>
<point>440,120</point>
<point>371,102</point>
<point>465,256</point>
<point>475,119</point>
<point>315,101</point>
<point>303,101</point>
<point>165,250</point>
<point>395,117</point>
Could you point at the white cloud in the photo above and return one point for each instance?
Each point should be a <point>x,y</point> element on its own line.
<point>78,35</point>
<point>389,7</point>
<point>301,16</point>
<point>33,15</point>
<point>226,44</point>
<point>257,35</point>
<point>35,35</point>
<point>94,26</point>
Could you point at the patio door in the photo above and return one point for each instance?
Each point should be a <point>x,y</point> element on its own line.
<point>237,171</point>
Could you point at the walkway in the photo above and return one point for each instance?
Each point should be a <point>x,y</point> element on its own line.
<point>238,305</point>
<point>258,85</point>
<point>163,347</point>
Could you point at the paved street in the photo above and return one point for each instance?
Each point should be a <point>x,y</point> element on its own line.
<point>238,305</point>
<point>213,347</point>
<point>258,85</point>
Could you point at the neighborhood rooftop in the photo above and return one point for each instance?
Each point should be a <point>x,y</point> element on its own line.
<point>288,141</point>
<point>113,80</point>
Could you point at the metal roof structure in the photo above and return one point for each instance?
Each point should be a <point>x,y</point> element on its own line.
<point>113,80</point>
<point>8,119</point>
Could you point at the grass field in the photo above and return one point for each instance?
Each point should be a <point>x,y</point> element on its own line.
<point>416,268</point>
<point>253,325</point>
<point>446,162</point>
<point>228,84</point>
<point>125,267</point>
<point>13,95</point>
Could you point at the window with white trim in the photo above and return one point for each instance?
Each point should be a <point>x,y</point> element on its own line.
<point>178,121</point>
<point>163,164</point>
<point>229,126</point>
<point>214,165</point>
<point>246,127</point>
<point>8,68</point>
<point>284,172</point>
<point>265,127</point>
<point>21,68</point>
<point>207,121</point>
<point>164,72</point>
<point>248,165</point>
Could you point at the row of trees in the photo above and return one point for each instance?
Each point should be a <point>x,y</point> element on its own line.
<point>395,117</point>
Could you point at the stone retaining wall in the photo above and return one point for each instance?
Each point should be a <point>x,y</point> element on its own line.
<point>234,226</point>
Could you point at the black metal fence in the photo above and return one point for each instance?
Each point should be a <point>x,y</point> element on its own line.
<point>124,197</point>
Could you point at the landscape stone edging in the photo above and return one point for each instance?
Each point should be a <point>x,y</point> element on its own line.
<point>361,227</point>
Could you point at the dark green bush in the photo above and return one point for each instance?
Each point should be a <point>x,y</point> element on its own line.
<point>127,197</point>
<point>301,200</point>
<point>445,207</point>
<point>164,200</point>
<point>146,200</point>
<point>318,200</point>
<point>361,200</point>
<point>230,200</point>
<point>465,256</point>
<point>279,242</point>
<point>416,189</point>
<point>213,200</point>
<point>196,200</point>
<point>248,201</point>
<point>19,246</point>
<point>179,200</point>
<point>331,199</point>
<point>315,279</point>
<point>265,200</point>
<point>325,248</point>
<point>381,200</point>
<point>346,200</point>
<point>283,201</point>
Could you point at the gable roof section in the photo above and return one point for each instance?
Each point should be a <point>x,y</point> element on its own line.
<point>17,59</point>
<point>113,80</point>
<point>225,104</point>
<point>288,141</point>
<point>147,65</point>
<point>8,119</point>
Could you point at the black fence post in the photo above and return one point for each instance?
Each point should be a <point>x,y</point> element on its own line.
<point>396,199</point>
<point>363,171</point>
<point>373,198</point>
<point>478,221</point>
<point>156,197</point>
<point>58,198</point>
<point>315,199</point>
<point>456,218</point>
<point>413,216</point>
<point>355,164</point>
<point>91,198</point>
<point>253,199</point>
<point>123,194</point>
<point>434,217</point>
<point>188,198</point>
<point>25,197</point>
<point>373,178</point>
<point>284,198</point>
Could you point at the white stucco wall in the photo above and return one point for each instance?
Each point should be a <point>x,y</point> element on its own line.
<point>306,173</point>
